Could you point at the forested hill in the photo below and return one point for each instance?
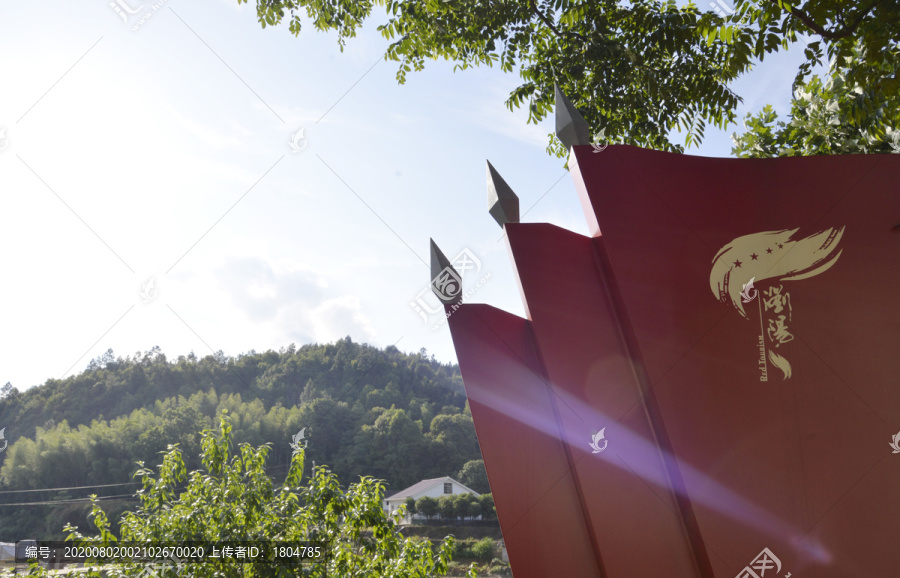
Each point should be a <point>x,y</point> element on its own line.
<point>366,411</point>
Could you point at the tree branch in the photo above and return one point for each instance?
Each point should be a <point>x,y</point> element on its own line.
<point>805,18</point>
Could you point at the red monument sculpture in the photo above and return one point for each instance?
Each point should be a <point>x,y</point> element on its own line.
<point>709,385</point>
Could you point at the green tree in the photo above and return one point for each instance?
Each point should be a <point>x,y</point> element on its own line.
<point>474,476</point>
<point>614,59</point>
<point>410,503</point>
<point>447,508</point>
<point>329,429</point>
<point>488,512</point>
<point>452,443</point>
<point>234,499</point>
<point>466,505</point>
<point>636,70</point>
<point>394,448</point>
<point>59,436</point>
<point>838,28</point>
<point>830,116</point>
<point>427,506</point>
<point>8,390</point>
<point>179,424</point>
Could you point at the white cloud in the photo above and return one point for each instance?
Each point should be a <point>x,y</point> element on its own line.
<point>292,300</point>
<point>339,317</point>
<point>263,290</point>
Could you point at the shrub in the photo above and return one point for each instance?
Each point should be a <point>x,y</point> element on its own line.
<point>483,550</point>
<point>233,499</point>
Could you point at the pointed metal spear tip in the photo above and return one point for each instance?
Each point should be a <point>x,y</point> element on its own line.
<point>571,128</point>
<point>445,281</point>
<point>503,203</point>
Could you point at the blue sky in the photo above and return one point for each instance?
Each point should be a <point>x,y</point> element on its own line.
<point>150,195</point>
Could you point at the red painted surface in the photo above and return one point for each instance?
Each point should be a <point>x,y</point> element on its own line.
<point>642,330</point>
<point>543,525</point>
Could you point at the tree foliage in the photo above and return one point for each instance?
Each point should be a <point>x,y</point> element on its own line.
<point>359,375</point>
<point>484,550</point>
<point>452,507</point>
<point>614,59</point>
<point>637,70</point>
<point>488,510</point>
<point>427,506</point>
<point>830,116</point>
<point>8,390</point>
<point>233,499</point>
<point>862,33</point>
<point>423,432</point>
<point>474,475</point>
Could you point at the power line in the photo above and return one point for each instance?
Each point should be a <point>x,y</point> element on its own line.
<point>123,497</point>
<point>69,488</point>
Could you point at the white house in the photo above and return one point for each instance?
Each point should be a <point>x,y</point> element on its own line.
<point>7,553</point>
<point>434,488</point>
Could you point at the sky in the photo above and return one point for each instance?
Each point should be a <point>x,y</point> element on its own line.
<point>192,181</point>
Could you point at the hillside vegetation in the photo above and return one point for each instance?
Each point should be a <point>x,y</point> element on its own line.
<point>365,411</point>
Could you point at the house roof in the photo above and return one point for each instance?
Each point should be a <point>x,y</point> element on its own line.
<point>424,485</point>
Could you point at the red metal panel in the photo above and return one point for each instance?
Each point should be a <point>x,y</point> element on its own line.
<point>798,463</point>
<point>542,521</point>
<point>627,490</point>
<point>735,331</point>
